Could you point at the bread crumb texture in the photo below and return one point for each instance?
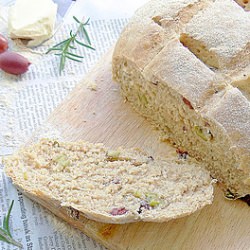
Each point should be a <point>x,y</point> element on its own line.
<point>192,80</point>
<point>113,186</point>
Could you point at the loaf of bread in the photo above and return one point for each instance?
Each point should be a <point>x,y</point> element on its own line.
<point>84,180</point>
<point>184,65</point>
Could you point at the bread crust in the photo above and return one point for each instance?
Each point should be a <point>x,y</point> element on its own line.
<point>221,29</point>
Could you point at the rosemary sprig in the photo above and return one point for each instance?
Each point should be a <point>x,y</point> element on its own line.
<point>5,234</point>
<point>66,49</point>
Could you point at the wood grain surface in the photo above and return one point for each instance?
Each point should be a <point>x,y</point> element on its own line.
<point>101,115</point>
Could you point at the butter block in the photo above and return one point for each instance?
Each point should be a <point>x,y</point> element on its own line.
<point>32,20</point>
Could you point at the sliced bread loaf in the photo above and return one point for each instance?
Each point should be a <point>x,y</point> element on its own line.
<point>111,186</point>
<point>196,106</point>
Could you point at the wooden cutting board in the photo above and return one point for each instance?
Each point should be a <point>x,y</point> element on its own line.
<point>103,116</point>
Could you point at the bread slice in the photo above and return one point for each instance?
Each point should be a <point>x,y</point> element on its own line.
<point>111,186</point>
<point>196,107</point>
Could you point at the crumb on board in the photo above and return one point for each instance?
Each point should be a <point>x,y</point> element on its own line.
<point>92,86</point>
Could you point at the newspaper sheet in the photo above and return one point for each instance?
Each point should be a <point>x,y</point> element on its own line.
<point>27,100</point>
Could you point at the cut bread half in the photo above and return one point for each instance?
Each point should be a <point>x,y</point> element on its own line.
<point>111,186</point>
<point>200,109</point>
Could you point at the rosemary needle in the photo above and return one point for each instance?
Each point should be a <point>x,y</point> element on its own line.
<point>66,49</point>
<point>5,234</point>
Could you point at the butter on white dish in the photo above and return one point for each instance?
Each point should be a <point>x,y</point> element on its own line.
<point>32,20</point>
